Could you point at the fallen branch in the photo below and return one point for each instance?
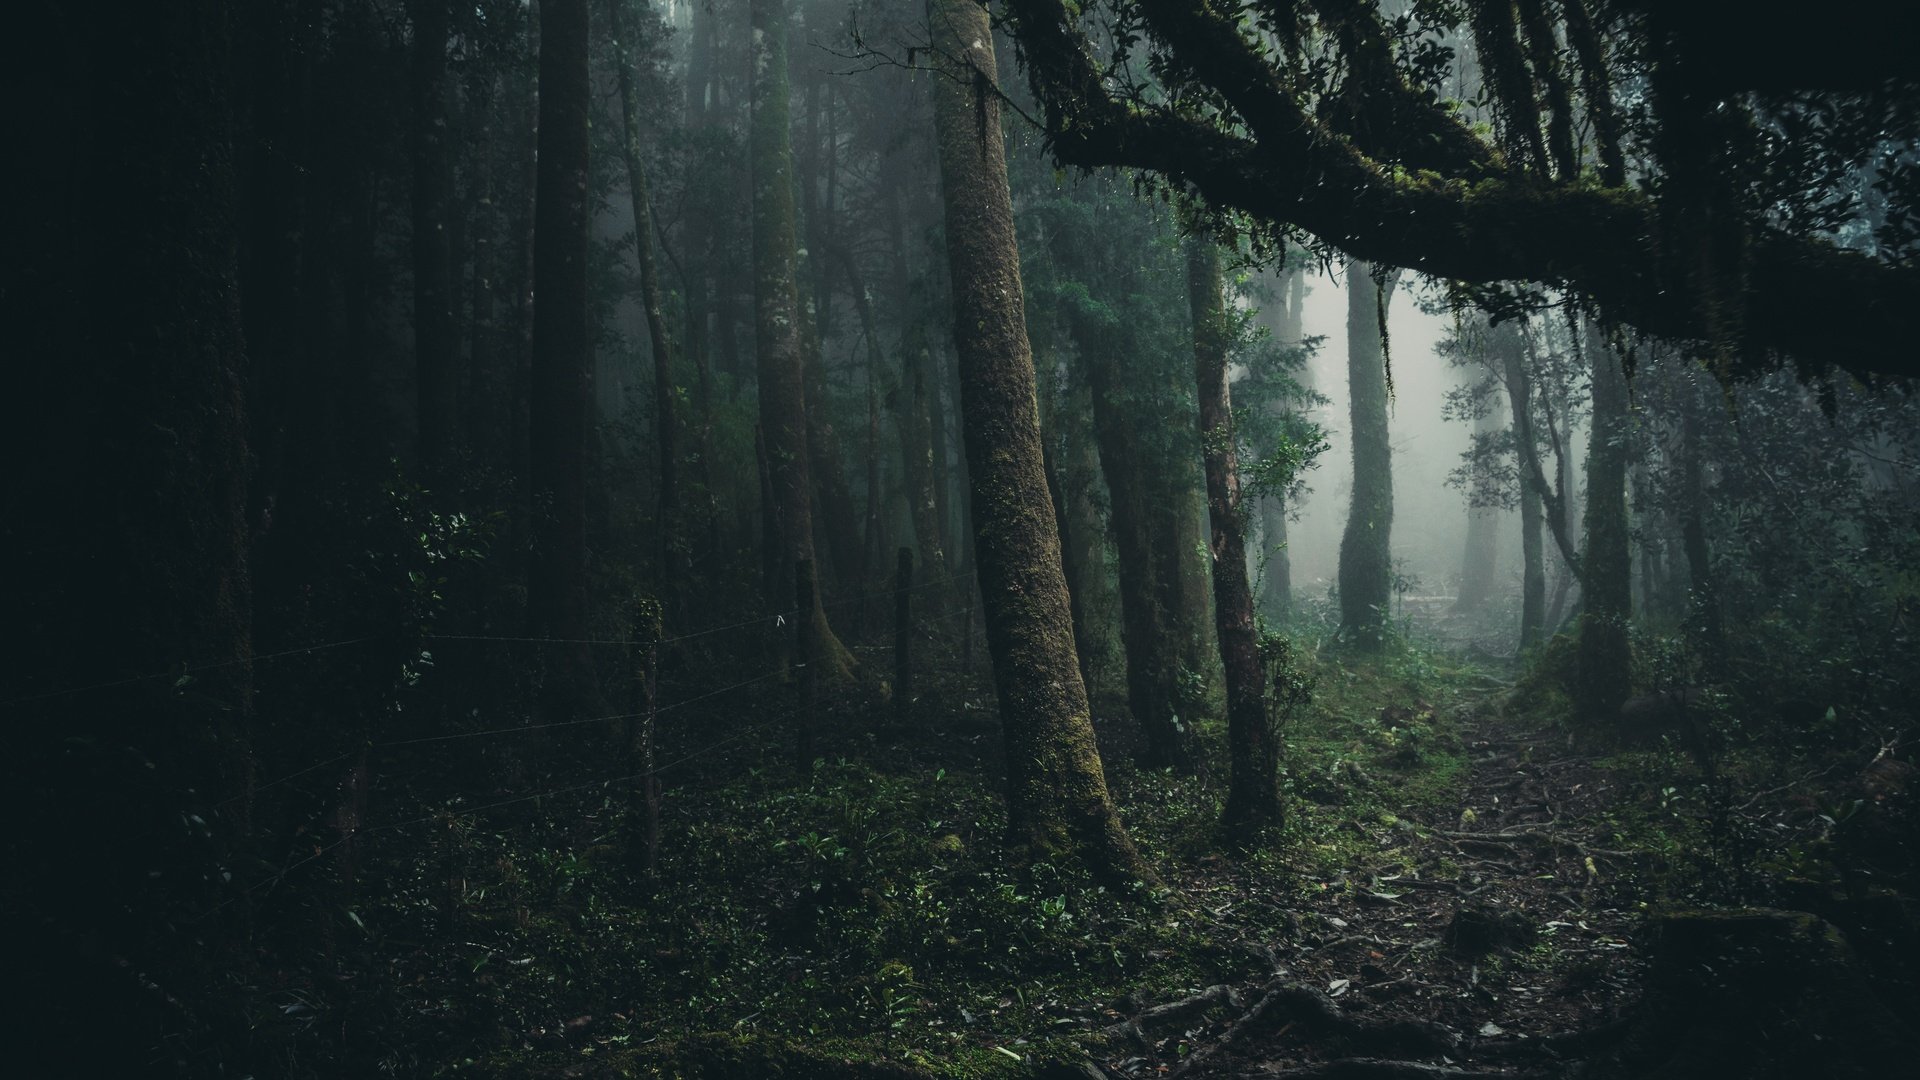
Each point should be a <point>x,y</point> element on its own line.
<point>1310,1007</point>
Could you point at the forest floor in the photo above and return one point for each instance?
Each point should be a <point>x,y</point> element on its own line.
<point>1468,935</point>
<point>1462,889</point>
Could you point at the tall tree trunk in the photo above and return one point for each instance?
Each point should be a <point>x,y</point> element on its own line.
<point>437,390</point>
<point>1704,613</point>
<point>777,346</point>
<point>1276,562</point>
<point>1056,790</point>
<point>1147,634</point>
<point>840,525</point>
<point>560,406</point>
<point>1605,660</point>
<point>664,417</point>
<point>1183,544</point>
<point>1366,553</point>
<point>129,796</point>
<point>952,542</point>
<point>827,464</point>
<point>1253,776</point>
<point>1511,356</point>
<point>1276,572</point>
<point>484,386</point>
<point>1481,561</point>
<point>911,407</point>
<point>1072,567</point>
<point>916,456</point>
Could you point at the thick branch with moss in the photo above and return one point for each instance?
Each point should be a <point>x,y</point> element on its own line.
<point>1272,159</point>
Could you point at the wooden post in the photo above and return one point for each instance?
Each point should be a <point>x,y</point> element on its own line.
<point>643,791</point>
<point>903,636</point>
<point>805,654</point>
<point>966,639</point>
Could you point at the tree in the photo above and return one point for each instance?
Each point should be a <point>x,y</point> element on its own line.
<point>1366,551</point>
<point>1056,789</point>
<point>664,421</point>
<point>1284,320</point>
<point>561,394</point>
<point>1483,539</point>
<point>1605,660</point>
<point>1366,154</point>
<point>1253,777</point>
<point>128,538</point>
<point>776,322</point>
<point>436,382</point>
<point>1144,526</point>
<point>1110,262</point>
<point>1509,353</point>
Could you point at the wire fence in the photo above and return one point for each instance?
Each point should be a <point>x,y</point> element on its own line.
<point>350,835</point>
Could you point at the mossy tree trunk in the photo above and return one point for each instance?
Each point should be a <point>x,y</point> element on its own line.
<point>1253,778</point>
<point>777,345</point>
<point>1056,790</point>
<point>1074,564</point>
<point>1366,553</point>
<point>1605,672</point>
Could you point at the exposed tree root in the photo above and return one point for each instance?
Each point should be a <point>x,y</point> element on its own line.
<point>1382,1069</point>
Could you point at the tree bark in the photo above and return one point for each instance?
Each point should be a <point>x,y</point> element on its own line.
<point>1704,613</point>
<point>664,417</point>
<point>1056,790</point>
<point>1286,323</point>
<point>1481,560</point>
<point>1366,554</point>
<point>437,382</point>
<point>1073,565</point>
<point>1141,525</point>
<point>1605,659</point>
<point>777,346</point>
<point>909,402</point>
<point>1511,356</point>
<point>560,415</point>
<point>1253,777</point>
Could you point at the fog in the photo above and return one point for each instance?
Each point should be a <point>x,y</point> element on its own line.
<point>1429,517</point>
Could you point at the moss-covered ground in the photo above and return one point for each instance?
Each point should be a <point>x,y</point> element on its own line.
<point>865,919</point>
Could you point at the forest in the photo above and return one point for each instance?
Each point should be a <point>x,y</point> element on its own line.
<point>960,539</point>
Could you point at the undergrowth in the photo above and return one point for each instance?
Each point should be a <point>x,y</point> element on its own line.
<point>870,909</point>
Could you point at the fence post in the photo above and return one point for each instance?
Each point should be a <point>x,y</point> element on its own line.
<point>966,642</point>
<point>643,791</point>
<point>903,636</point>
<point>803,632</point>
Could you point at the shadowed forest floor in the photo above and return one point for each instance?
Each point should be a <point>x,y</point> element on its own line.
<point>1464,887</point>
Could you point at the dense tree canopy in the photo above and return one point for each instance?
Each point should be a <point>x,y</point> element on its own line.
<point>1760,209</point>
<point>937,539</point>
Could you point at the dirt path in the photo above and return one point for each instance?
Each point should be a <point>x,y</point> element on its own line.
<point>1497,932</point>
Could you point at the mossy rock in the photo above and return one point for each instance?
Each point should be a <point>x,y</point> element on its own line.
<point>1757,993</point>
